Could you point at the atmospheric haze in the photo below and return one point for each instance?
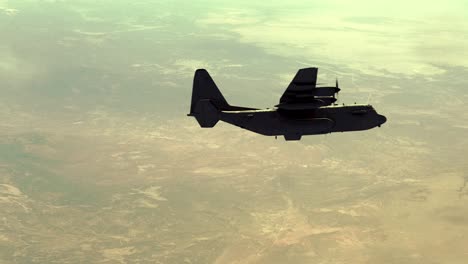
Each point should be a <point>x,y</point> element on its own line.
<point>99,163</point>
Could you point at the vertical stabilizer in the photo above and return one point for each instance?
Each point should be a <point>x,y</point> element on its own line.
<point>207,100</point>
<point>205,88</point>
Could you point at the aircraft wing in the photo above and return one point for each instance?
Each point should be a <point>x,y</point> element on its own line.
<point>301,86</point>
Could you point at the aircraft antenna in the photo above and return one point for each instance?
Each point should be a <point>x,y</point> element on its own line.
<point>369,98</point>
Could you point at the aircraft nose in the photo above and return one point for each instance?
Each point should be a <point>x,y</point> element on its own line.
<point>382,119</point>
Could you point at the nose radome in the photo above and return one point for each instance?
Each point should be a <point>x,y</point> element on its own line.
<point>382,119</point>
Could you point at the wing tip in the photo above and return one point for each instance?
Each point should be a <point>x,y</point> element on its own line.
<point>306,76</point>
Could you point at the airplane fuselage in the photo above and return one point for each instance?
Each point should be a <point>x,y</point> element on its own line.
<point>294,124</point>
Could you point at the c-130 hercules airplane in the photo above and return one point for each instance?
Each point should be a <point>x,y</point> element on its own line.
<point>304,109</point>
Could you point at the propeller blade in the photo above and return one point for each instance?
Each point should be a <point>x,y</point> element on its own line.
<point>337,86</point>
<point>337,90</point>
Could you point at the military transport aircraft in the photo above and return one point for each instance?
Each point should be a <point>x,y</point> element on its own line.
<point>304,109</point>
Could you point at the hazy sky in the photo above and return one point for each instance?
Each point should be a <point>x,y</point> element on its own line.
<point>99,163</point>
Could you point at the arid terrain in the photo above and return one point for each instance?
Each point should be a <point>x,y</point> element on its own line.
<point>99,164</point>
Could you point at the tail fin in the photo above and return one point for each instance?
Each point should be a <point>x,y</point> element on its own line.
<point>207,100</point>
<point>205,88</point>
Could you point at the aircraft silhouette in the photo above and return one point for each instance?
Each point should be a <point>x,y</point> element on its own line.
<point>304,109</point>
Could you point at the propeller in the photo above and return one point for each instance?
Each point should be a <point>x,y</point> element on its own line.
<point>337,90</point>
